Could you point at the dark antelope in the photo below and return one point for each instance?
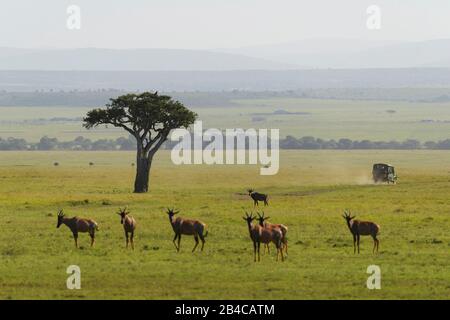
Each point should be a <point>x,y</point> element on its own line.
<point>258,197</point>
<point>77,225</point>
<point>187,227</point>
<point>282,227</point>
<point>129,225</point>
<point>264,235</point>
<point>362,228</point>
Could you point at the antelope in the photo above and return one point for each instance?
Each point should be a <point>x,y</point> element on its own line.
<point>77,225</point>
<point>129,225</point>
<point>187,227</point>
<point>260,234</point>
<point>362,228</point>
<point>282,227</point>
<point>258,197</point>
<point>254,231</point>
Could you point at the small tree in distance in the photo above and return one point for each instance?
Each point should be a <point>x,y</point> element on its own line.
<point>149,117</point>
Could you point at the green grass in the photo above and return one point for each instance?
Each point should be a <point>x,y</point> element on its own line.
<point>327,119</point>
<point>308,194</point>
<point>357,120</point>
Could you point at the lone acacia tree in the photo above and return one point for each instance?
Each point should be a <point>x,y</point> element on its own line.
<point>149,117</point>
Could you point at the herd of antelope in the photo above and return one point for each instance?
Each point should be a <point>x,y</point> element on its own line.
<point>259,231</point>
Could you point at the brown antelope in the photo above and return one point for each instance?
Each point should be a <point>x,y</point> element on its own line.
<point>282,227</point>
<point>258,197</point>
<point>77,225</point>
<point>129,225</point>
<point>362,228</point>
<point>263,235</point>
<point>187,227</point>
<point>254,234</point>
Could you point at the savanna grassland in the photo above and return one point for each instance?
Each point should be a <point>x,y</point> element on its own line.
<point>321,118</point>
<point>308,194</point>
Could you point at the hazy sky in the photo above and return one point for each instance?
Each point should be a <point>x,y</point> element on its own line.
<point>214,23</point>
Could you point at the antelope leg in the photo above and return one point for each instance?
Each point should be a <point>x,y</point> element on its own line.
<point>174,243</point>
<point>203,242</point>
<point>357,239</point>
<point>196,243</point>
<point>132,240</point>
<point>75,237</point>
<point>259,251</point>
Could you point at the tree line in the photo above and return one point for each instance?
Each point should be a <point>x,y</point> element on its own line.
<point>75,98</point>
<point>311,143</point>
<point>290,143</point>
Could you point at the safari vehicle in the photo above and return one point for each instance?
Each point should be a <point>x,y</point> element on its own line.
<point>382,172</point>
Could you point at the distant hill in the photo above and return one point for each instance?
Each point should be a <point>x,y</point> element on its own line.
<point>335,53</point>
<point>353,53</point>
<point>93,59</point>
<point>249,80</point>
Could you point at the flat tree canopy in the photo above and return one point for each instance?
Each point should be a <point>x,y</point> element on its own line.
<point>149,117</point>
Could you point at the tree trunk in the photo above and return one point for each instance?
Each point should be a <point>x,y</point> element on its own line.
<point>144,158</point>
<point>144,164</point>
